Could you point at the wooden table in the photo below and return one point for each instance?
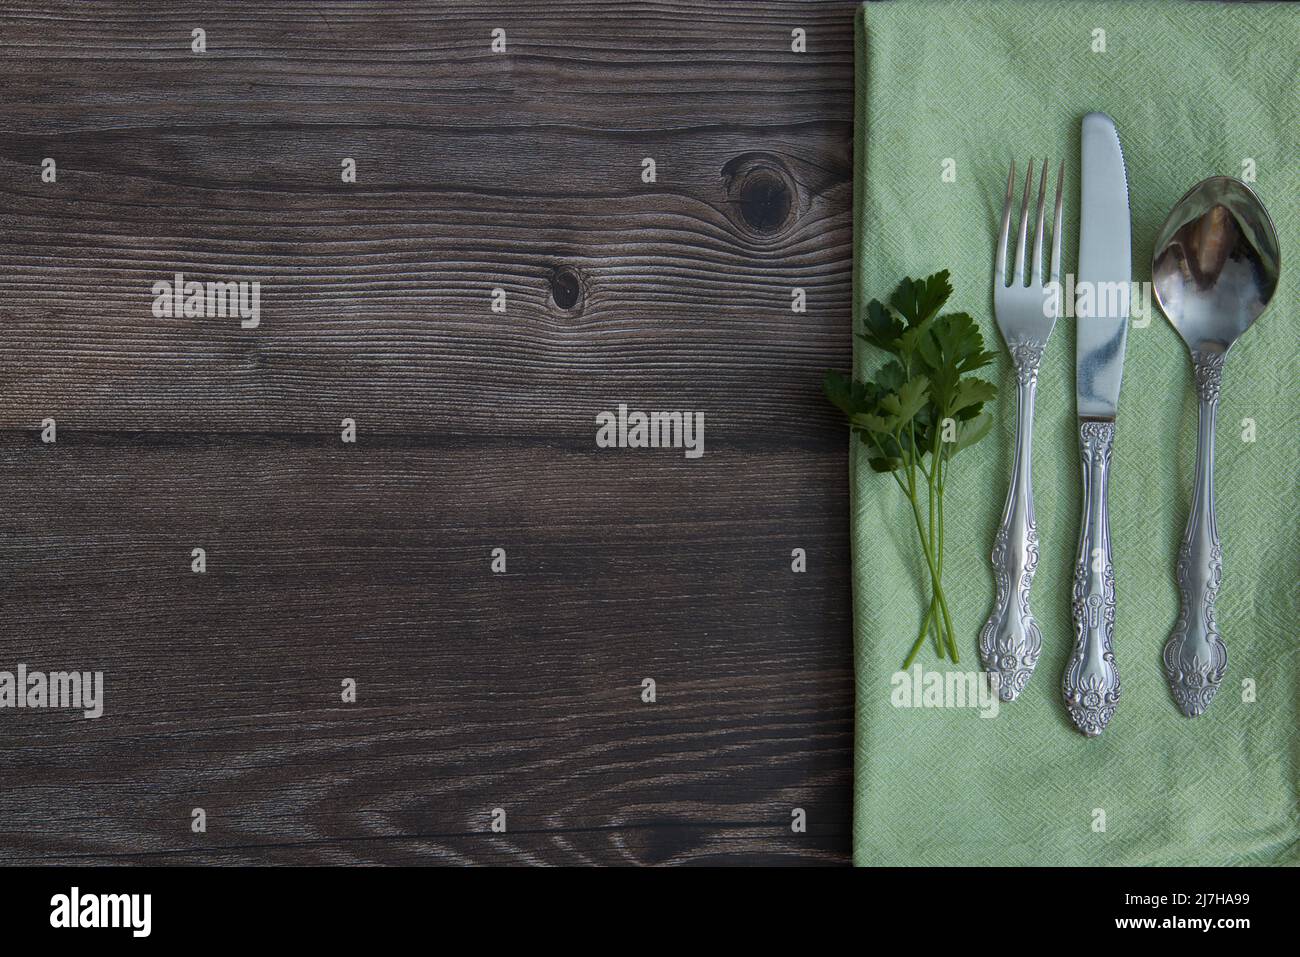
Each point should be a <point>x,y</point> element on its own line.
<point>326,560</point>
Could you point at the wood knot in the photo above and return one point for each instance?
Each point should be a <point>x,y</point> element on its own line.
<point>761,193</point>
<point>566,288</point>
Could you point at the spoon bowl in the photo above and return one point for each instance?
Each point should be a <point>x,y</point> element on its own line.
<point>1216,263</point>
<point>1215,269</point>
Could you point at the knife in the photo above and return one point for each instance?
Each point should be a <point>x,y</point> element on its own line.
<point>1091,681</point>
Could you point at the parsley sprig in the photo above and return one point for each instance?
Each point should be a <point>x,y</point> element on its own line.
<point>919,411</point>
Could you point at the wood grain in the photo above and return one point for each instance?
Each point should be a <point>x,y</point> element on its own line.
<point>476,171</point>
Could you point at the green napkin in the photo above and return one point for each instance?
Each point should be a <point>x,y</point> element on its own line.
<point>1196,89</point>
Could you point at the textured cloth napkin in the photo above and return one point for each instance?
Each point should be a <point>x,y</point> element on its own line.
<point>1196,89</point>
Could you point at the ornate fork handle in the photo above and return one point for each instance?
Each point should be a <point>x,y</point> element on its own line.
<point>1091,681</point>
<point>1010,640</point>
<point>1195,656</point>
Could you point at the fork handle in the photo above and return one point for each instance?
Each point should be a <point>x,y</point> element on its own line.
<point>1195,656</point>
<point>1010,640</point>
<point>1091,681</point>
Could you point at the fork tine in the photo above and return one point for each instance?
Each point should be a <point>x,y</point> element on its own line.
<point>1000,263</point>
<point>1055,268</point>
<point>1018,274</point>
<point>1036,267</point>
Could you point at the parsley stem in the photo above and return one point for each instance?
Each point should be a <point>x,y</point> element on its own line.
<point>939,464</point>
<point>920,639</point>
<point>930,476</point>
<point>952,640</point>
<point>935,577</point>
<point>934,572</point>
<point>937,473</point>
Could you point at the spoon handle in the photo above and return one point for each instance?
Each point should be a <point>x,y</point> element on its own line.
<point>1010,640</point>
<point>1091,681</point>
<point>1195,656</point>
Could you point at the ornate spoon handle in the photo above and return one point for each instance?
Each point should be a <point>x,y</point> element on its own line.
<point>1010,640</point>
<point>1195,656</point>
<point>1091,682</point>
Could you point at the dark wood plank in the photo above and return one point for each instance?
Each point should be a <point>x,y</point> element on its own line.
<point>476,430</point>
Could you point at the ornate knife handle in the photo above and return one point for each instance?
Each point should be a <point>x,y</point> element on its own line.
<point>1010,640</point>
<point>1091,679</point>
<point>1195,656</point>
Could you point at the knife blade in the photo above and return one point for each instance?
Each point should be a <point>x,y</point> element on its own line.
<point>1105,270</point>
<point>1091,683</point>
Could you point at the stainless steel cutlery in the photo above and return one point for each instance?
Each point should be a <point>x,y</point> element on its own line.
<point>1010,640</point>
<point>1215,269</point>
<point>1091,682</point>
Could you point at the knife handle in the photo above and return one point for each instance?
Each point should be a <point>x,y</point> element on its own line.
<point>1091,682</point>
<point>1195,656</point>
<point>1010,640</point>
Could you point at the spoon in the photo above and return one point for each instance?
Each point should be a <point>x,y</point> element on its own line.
<point>1215,269</point>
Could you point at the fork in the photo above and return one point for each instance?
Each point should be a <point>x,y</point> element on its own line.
<point>1025,311</point>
